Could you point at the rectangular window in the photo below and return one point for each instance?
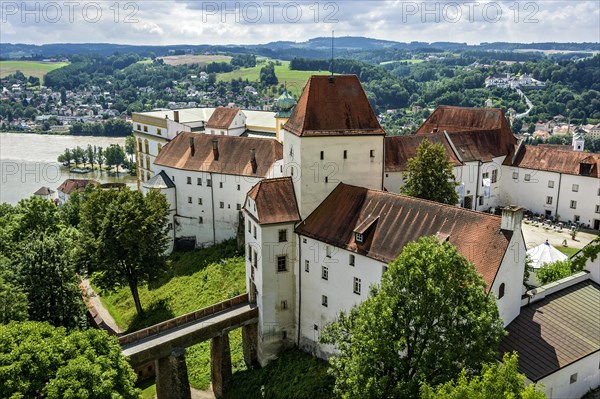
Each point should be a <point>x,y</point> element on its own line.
<point>306,266</point>
<point>352,259</point>
<point>324,272</point>
<point>575,188</point>
<point>322,155</point>
<point>199,181</point>
<point>527,177</point>
<point>357,285</point>
<point>345,154</point>
<point>323,301</point>
<point>485,175</point>
<point>159,132</point>
<point>548,200</point>
<point>238,206</point>
<point>208,183</point>
<point>238,187</point>
<point>304,241</point>
<point>576,218</point>
<point>220,184</point>
<point>221,205</point>
<point>372,153</point>
<point>573,204</point>
<point>515,175</point>
<point>550,183</point>
<point>282,263</point>
<point>199,201</point>
<point>494,175</point>
<point>283,235</point>
<point>249,226</point>
<point>139,127</point>
<point>200,220</point>
<point>249,253</point>
<point>189,180</point>
<point>597,208</point>
<point>358,237</point>
<point>189,200</point>
<point>573,378</point>
<point>328,251</point>
<point>284,305</point>
<point>254,232</point>
<point>481,200</point>
<point>146,129</point>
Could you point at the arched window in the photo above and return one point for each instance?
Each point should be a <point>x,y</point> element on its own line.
<point>147,146</point>
<point>148,176</point>
<point>501,291</point>
<point>159,148</point>
<point>140,149</point>
<point>147,162</point>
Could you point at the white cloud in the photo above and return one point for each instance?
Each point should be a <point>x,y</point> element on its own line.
<point>250,22</point>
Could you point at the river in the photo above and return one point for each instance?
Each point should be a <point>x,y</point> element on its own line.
<point>28,162</point>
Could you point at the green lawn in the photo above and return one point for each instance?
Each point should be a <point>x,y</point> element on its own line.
<point>568,250</point>
<point>29,68</point>
<point>294,80</point>
<point>411,61</point>
<point>194,280</point>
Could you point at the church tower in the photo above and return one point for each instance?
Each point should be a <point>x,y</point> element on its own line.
<point>284,105</point>
<point>578,140</point>
<point>332,136</point>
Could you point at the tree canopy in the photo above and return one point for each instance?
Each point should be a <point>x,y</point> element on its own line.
<point>429,319</point>
<point>496,381</point>
<point>430,175</point>
<point>41,361</point>
<point>124,237</point>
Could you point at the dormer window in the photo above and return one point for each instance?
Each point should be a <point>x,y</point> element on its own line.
<point>358,237</point>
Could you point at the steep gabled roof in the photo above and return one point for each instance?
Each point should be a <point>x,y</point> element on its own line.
<point>399,149</point>
<point>70,185</point>
<point>222,118</point>
<point>479,134</point>
<point>234,154</point>
<point>335,106</point>
<point>402,219</point>
<point>557,331</point>
<point>275,201</point>
<point>550,159</point>
<point>44,191</point>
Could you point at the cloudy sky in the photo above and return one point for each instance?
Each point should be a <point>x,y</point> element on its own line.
<point>252,22</point>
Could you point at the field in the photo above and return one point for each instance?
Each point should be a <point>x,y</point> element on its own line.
<point>195,59</point>
<point>411,61</point>
<point>294,80</point>
<point>29,68</point>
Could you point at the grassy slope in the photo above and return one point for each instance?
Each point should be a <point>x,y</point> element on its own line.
<point>29,68</point>
<point>295,375</point>
<point>196,279</point>
<point>294,80</point>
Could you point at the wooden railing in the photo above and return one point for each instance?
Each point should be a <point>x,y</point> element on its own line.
<point>181,320</point>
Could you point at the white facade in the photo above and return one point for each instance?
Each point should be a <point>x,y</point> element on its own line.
<point>574,380</point>
<point>236,128</point>
<point>318,164</point>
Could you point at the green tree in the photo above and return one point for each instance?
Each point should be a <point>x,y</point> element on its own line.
<point>114,155</point>
<point>89,151</point>
<point>48,277</point>
<point>41,361</point>
<point>13,301</point>
<point>126,234</point>
<point>430,175</point>
<point>429,319</point>
<point>100,158</point>
<point>130,147</point>
<point>550,272</point>
<point>496,381</point>
<point>267,75</point>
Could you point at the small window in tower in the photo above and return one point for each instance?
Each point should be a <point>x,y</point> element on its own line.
<point>200,220</point>
<point>324,272</point>
<point>573,379</point>
<point>284,304</point>
<point>282,263</point>
<point>238,206</point>
<point>283,235</point>
<point>527,176</point>
<point>189,180</point>
<point>575,188</point>
<point>372,153</point>
<point>222,205</point>
<point>220,184</point>
<point>307,265</point>
<point>254,232</point>
<point>345,154</point>
<point>199,201</point>
<point>352,260</point>
<point>550,183</point>
<point>238,187</point>
<point>324,301</point>
<point>189,200</point>
<point>326,179</point>
<point>501,290</point>
<point>322,155</point>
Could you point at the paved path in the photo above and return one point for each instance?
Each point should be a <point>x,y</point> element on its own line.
<point>537,235</point>
<point>109,323</point>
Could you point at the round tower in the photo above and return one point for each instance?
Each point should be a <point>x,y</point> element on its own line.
<point>284,105</point>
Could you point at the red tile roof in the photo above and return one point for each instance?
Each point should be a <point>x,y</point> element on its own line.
<point>403,219</point>
<point>234,154</point>
<point>222,118</point>
<point>556,331</point>
<point>479,134</point>
<point>399,149</point>
<point>550,159</point>
<point>275,201</point>
<point>70,185</point>
<point>333,108</point>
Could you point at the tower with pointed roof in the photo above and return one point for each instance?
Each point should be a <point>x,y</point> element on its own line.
<point>332,136</point>
<point>578,140</point>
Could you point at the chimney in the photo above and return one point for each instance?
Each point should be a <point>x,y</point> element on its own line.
<point>192,146</point>
<point>215,144</point>
<point>176,116</point>
<point>512,216</point>
<point>253,160</point>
